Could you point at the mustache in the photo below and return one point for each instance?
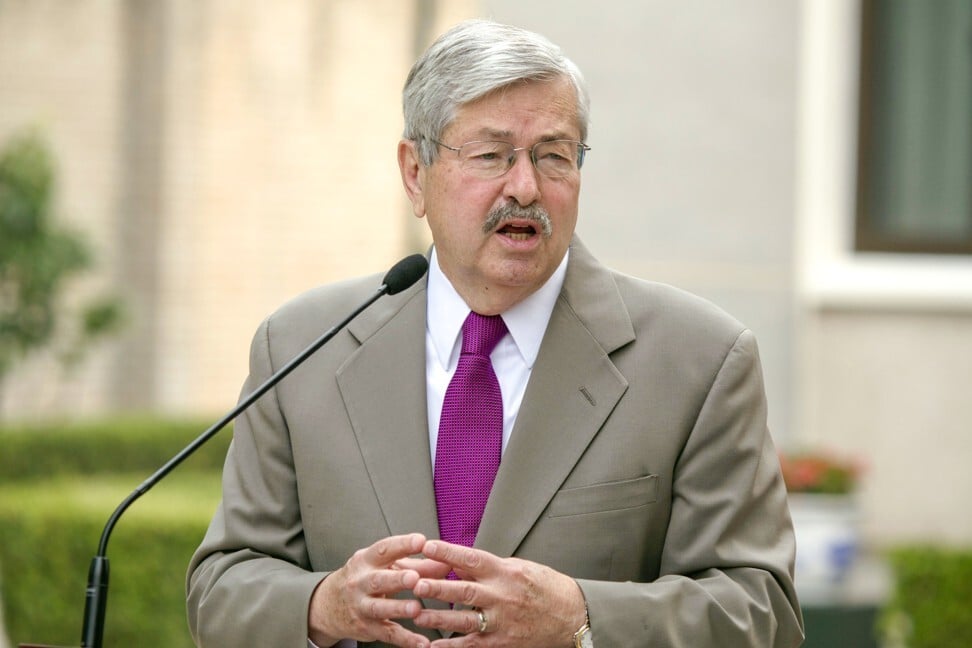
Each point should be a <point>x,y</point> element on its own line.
<point>512,211</point>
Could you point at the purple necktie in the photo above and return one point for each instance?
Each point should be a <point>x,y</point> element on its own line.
<point>470,440</point>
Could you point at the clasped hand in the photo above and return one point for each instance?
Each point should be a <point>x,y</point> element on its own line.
<point>497,602</point>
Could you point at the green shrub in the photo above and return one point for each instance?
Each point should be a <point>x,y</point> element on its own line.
<point>49,531</point>
<point>59,483</point>
<point>38,258</point>
<point>139,445</point>
<point>932,602</point>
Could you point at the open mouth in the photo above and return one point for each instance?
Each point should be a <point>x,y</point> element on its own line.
<point>519,223</point>
<point>517,232</point>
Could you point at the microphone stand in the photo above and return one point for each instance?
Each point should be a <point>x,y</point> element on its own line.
<point>96,595</point>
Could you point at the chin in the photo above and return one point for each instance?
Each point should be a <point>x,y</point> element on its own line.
<point>520,274</point>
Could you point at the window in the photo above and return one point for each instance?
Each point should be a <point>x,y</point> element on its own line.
<point>915,138</point>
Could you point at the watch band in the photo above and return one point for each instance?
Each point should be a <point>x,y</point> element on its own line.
<point>582,638</point>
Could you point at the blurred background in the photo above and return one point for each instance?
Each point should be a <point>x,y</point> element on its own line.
<point>807,165</point>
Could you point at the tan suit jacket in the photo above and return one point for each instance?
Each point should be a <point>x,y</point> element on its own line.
<point>640,464</point>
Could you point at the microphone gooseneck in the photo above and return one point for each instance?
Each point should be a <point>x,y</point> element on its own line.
<point>400,277</point>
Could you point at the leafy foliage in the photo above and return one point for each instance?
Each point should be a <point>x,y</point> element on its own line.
<point>37,256</point>
<point>930,606</point>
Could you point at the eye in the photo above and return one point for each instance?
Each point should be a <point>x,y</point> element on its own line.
<point>486,153</point>
<point>555,153</point>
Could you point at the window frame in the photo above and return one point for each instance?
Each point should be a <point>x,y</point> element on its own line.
<point>831,272</point>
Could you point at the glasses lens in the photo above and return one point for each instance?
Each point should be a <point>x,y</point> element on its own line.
<point>486,159</point>
<point>557,158</point>
<point>554,159</point>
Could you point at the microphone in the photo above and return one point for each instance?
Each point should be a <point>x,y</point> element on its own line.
<point>404,273</point>
<point>400,277</point>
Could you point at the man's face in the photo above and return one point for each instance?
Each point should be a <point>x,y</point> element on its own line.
<point>497,267</point>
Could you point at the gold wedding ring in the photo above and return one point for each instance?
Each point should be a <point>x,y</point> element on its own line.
<point>483,621</point>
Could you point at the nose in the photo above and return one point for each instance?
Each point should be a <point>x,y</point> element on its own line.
<point>523,179</point>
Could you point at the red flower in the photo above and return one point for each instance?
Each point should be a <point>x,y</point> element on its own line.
<point>819,472</point>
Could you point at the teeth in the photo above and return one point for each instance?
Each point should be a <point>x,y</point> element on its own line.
<point>518,236</point>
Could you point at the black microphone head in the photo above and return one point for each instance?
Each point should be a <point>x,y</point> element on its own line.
<point>404,273</point>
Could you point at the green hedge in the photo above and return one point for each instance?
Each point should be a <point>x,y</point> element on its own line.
<point>59,484</point>
<point>932,602</point>
<point>49,532</point>
<point>103,447</point>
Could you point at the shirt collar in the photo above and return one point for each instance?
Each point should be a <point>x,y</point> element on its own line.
<point>526,321</point>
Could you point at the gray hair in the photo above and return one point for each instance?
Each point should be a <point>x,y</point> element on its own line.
<point>471,60</point>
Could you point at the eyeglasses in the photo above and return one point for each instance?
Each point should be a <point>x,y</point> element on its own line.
<point>552,158</point>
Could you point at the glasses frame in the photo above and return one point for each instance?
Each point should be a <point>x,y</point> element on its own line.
<point>582,149</point>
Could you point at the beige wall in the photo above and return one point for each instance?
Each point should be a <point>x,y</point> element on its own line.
<point>60,71</point>
<point>224,156</point>
<point>893,388</point>
<point>278,172</point>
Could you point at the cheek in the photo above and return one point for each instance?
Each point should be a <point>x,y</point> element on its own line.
<point>464,206</point>
<point>562,205</point>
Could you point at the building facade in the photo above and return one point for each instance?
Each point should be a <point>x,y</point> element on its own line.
<point>225,156</point>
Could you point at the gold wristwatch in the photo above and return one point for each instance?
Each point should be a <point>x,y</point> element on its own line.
<point>582,638</point>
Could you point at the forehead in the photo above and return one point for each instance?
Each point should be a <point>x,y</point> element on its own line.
<point>530,110</point>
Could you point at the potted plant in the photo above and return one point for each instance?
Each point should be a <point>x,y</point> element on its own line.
<point>821,487</point>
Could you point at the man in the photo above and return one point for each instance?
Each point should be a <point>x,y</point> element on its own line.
<point>638,500</point>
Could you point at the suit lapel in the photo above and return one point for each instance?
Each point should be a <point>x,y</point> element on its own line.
<point>573,388</point>
<point>383,386</point>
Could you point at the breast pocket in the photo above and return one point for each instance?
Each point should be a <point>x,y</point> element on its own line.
<point>601,498</point>
<point>602,531</point>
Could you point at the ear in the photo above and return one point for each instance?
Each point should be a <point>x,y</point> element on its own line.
<point>413,175</point>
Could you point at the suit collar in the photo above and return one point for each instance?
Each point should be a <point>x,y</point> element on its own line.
<point>590,290</point>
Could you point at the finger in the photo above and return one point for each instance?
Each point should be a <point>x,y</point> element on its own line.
<point>455,641</point>
<point>384,609</point>
<point>472,562</point>
<point>395,635</point>
<point>464,621</point>
<point>387,550</point>
<point>386,582</point>
<point>461,592</point>
<point>424,567</point>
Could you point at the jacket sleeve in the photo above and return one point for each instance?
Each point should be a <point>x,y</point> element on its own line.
<point>727,562</point>
<point>249,582</point>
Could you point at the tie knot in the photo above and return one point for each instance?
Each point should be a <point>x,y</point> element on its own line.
<point>481,333</point>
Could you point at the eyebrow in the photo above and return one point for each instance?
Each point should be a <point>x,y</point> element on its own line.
<point>492,134</point>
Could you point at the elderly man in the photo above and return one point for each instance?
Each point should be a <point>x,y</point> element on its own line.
<point>525,449</point>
